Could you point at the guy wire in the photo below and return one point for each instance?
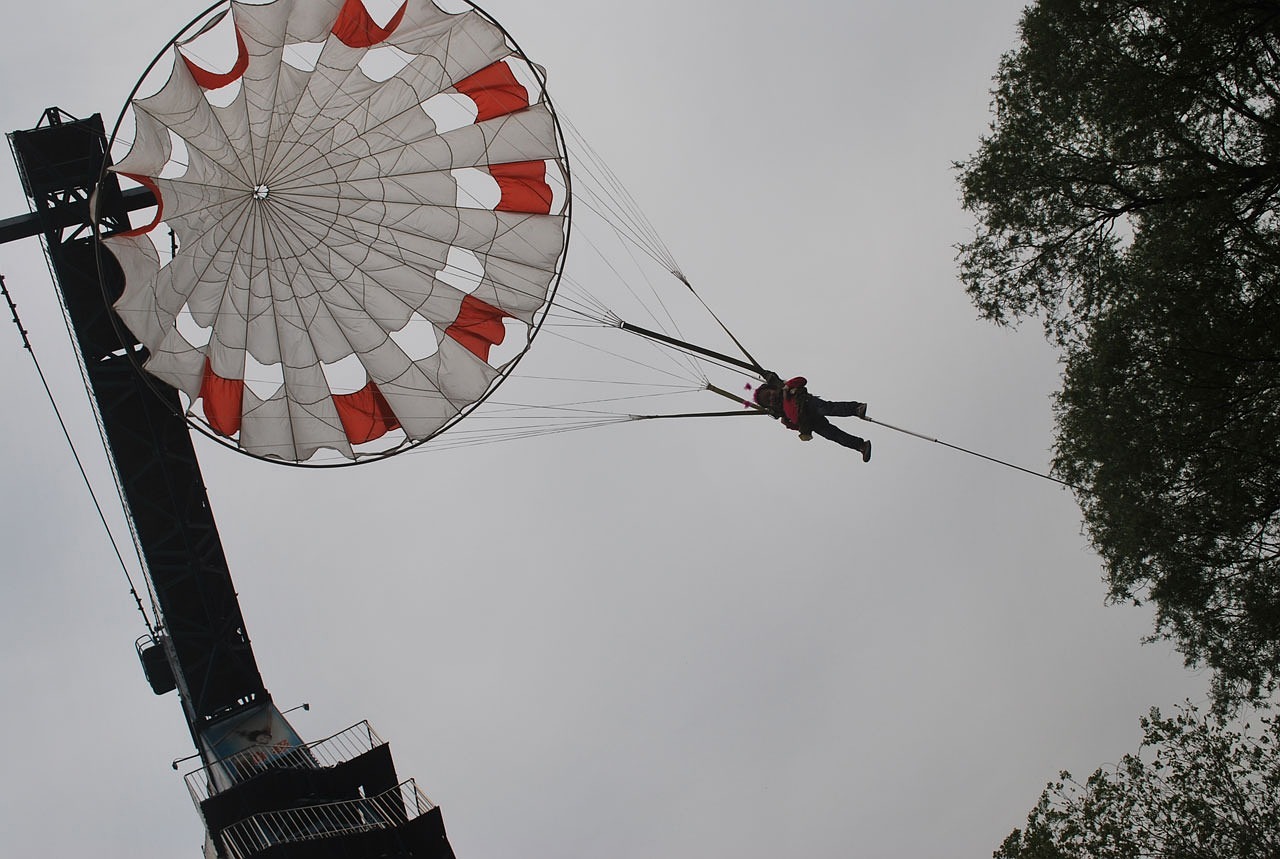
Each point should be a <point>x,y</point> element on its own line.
<point>75,454</point>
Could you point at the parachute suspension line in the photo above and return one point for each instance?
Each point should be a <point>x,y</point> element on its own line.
<point>1006,464</point>
<point>84,476</point>
<point>601,192</point>
<point>657,296</point>
<point>611,319</point>
<point>576,407</point>
<point>736,342</point>
<point>625,358</point>
<point>574,299</point>
<point>651,246</point>
<point>575,302</point>
<point>754,367</point>
<point>631,224</point>
<point>612,194</point>
<point>474,437</point>
<point>459,438</point>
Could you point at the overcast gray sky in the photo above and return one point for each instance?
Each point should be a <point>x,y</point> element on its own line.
<point>697,638</point>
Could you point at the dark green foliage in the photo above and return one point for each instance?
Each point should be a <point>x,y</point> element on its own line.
<point>1169,416</point>
<point>1127,196</point>
<point>1112,114</point>
<point>1197,789</point>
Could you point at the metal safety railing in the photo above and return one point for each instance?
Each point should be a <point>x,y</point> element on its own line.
<point>396,806</point>
<point>245,764</point>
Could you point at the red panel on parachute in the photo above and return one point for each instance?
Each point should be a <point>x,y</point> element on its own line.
<point>495,91</point>
<point>478,327</point>
<point>524,187</point>
<point>150,184</point>
<point>355,29</point>
<point>223,401</point>
<point>212,80</point>
<point>366,415</point>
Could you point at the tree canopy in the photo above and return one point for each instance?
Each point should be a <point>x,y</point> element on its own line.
<point>1127,197</point>
<point>1197,787</point>
<point>1111,117</point>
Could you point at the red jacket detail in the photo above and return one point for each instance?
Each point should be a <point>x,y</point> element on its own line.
<point>792,393</point>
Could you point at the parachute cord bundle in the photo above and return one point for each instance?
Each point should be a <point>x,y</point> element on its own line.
<point>84,476</point>
<point>603,193</point>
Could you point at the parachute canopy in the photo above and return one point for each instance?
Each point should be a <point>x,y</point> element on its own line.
<point>369,219</point>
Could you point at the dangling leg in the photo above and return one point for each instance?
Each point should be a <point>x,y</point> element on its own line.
<point>831,432</point>
<point>838,410</point>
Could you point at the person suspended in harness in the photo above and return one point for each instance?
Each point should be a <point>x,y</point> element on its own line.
<point>801,411</point>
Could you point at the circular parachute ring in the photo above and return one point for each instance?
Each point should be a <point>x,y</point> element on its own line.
<point>361,221</point>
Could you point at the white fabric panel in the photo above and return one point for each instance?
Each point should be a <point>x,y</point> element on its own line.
<point>179,363</point>
<point>467,45</point>
<point>315,433</point>
<point>273,86</point>
<point>434,390</point>
<point>208,177</point>
<point>311,20</point>
<point>409,284</point>
<point>439,305</point>
<point>417,403</point>
<point>460,375</point>
<point>226,356</point>
<point>415,189</point>
<point>137,305</point>
<point>203,268</point>
<point>536,240</point>
<point>384,142</point>
<point>514,287</point>
<point>387,363</point>
<point>313,417</point>
<point>332,90</point>
<point>381,305</point>
<point>260,323</point>
<point>527,135</point>
<point>292,84</point>
<point>423,26</point>
<point>286,276</point>
<point>263,31</point>
<point>389,289</point>
<point>372,141</point>
<point>264,427</point>
<point>193,209</point>
<point>181,105</point>
<point>223,301</point>
<point>296,347</point>
<point>151,148</point>
<point>234,122</point>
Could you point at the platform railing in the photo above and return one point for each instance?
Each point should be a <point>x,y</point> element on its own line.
<point>245,764</point>
<point>396,806</point>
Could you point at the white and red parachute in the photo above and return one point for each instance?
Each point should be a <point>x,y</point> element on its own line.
<point>369,220</point>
